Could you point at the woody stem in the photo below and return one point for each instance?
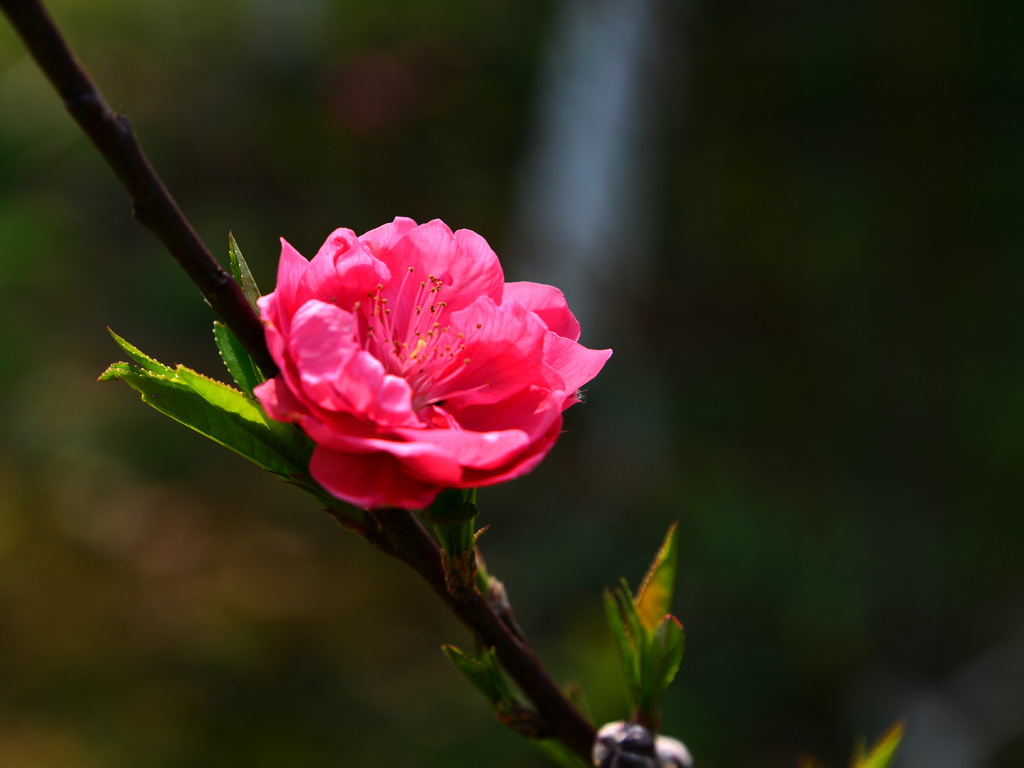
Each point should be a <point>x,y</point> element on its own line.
<point>401,536</point>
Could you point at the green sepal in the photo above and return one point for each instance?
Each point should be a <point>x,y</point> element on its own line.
<point>453,505</point>
<point>240,365</point>
<point>453,515</point>
<point>240,271</point>
<point>217,411</point>
<point>882,753</point>
<point>654,598</point>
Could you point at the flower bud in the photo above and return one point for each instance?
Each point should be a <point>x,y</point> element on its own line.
<point>621,744</point>
<point>624,745</point>
<point>672,753</point>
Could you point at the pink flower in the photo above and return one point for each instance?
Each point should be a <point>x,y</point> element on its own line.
<point>415,367</point>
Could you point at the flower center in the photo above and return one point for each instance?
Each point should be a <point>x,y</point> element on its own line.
<point>414,341</point>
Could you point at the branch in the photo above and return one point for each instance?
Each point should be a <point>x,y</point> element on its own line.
<point>402,537</point>
<point>153,205</point>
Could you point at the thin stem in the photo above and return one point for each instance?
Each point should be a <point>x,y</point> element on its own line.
<point>402,537</point>
<point>153,205</point>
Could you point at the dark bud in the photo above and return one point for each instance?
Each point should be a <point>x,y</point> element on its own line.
<point>672,753</point>
<point>624,745</point>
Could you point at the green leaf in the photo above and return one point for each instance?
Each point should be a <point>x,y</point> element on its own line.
<point>881,753</point>
<point>478,672</point>
<point>141,359</point>
<point>219,412</point>
<point>484,674</point>
<point>241,367</point>
<point>654,598</point>
<point>667,643</point>
<point>240,271</point>
<point>626,644</point>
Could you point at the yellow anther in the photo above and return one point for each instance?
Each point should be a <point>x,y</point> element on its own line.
<point>419,348</point>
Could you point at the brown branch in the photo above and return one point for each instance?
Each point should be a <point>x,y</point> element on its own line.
<point>399,533</point>
<point>153,205</point>
<point>403,537</point>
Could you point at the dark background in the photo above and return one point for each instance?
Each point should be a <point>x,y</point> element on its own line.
<point>796,223</point>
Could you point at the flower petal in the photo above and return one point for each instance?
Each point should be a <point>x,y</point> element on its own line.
<point>343,271</point>
<point>501,354</point>
<point>278,401</point>
<point>336,374</point>
<point>519,466</point>
<point>290,270</point>
<point>369,480</point>
<point>384,237</point>
<point>548,303</point>
<point>575,363</point>
<point>477,450</point>
<point>322,341</point>
<point>463,260</point>
<point>532,410</point>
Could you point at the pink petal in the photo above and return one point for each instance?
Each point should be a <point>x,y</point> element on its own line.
<point>323,340</point>
<point>502,346</point>
<point>336,374</point>
<point>477,450</point>
<point>384,237</point>
<point>383,398</point>
<point>462,260</point>
<point>278,401</point>
<point>549,304</point>
<point>575,363</point>
<point>369,480</point>
<point>269,314</point>
<point>343,271</point>
<point>519,466</point>
<point>532,410</point>
<point>290,270</point>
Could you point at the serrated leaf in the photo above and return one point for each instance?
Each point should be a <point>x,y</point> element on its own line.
<point>883,751</point>
<point>667,645</point>
<point>654,598</point>
<point>484,675</point>
<point>630,615</point>
<point>625,644</point>
<point>115,371</point>
<point>238,362</point>
<point>240,271</point>
<point>140,358</point>
<point>221,413</point>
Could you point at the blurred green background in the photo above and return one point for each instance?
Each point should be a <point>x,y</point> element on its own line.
<point>798,225</point>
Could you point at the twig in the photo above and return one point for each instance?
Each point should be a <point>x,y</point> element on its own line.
<point>403,537</point>
<point>153,205</point>
<point>399,533</point>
